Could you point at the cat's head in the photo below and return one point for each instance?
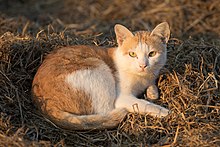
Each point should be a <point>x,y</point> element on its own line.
<point>142,52</point>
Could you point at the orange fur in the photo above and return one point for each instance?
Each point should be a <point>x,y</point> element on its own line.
<point>79,106</point>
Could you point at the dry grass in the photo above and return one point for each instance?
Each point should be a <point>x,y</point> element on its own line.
<point>189,83</point>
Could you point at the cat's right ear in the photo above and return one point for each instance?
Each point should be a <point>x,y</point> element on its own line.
<point>122,33</point>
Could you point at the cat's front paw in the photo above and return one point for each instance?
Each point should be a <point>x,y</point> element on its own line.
<point>159,111</point>
<point>163,112</point>
<point>152,92</point>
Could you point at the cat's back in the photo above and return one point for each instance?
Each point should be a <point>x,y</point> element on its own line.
<point>69,59</point>
<point>71,77</point>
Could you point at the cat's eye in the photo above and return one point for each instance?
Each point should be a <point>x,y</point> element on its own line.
<point>153,53</point>
<point>132,54</point>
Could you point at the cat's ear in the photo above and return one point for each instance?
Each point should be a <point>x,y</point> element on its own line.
<point>122,33</point>
<point>163,31</point>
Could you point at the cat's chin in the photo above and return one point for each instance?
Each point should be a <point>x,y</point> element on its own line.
<point>141,73</point>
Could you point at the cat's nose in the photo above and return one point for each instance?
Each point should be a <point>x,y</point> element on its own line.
<point>143,66</point>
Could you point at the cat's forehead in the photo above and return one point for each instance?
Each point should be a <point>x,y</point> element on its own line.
<point>140,38</point>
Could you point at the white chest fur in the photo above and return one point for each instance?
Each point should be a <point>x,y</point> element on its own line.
<point>133,84</point>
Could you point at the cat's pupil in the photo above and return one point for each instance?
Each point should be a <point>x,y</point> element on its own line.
<point>153,53</point>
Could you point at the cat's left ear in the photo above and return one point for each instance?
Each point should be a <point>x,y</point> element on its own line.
<point>163,31</point>
<point>122,33</point>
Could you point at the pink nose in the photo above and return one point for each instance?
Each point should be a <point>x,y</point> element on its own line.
<point>143,66</point>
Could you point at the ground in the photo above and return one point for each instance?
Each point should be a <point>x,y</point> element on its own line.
<point>189,83</point>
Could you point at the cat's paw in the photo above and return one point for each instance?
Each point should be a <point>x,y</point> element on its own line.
<point>163,112</point>
<point>152,92</point>
<point>159,111</point>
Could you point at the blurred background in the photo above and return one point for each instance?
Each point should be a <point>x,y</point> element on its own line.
<point>189,83</point>
<point>198,19</point>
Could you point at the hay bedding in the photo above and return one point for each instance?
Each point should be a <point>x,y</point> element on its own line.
<point>189,83</point>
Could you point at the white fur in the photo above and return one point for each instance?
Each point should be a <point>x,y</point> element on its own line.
<point>133,83</point>
<point>141,50</point>
<point>99,83</point>
<point>132,104</point>
<point>106,94</point>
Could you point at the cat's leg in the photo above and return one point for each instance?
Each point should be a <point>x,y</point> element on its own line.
<point>152,92</point>
<point>133,104</point>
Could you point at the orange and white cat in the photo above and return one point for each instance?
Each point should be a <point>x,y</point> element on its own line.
<point>88,87</point>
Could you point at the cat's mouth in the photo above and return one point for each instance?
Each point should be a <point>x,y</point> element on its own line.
<point>142,72</point>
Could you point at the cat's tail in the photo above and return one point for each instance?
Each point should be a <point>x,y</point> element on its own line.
<point>90,122</point>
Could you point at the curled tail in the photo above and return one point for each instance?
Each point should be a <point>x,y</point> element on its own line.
<point>90,122</point>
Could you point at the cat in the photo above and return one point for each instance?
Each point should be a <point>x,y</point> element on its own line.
<point>87,87</point>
